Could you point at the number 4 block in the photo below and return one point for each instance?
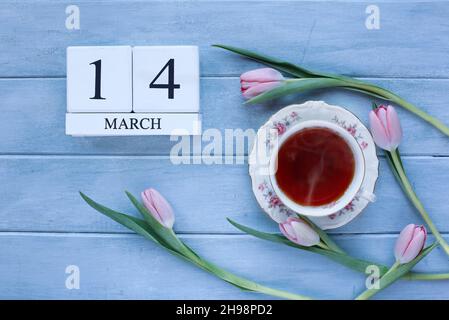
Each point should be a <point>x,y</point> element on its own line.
<point>166,79</point>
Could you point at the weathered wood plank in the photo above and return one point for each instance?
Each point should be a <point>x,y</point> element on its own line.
<point>33,113</point>
<point>41,194</point>
<point>32,266</point>
<point>304,33</point>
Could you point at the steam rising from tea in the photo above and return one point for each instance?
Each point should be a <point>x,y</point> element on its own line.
<point>315,166</point>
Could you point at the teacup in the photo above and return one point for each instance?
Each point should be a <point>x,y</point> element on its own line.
<point>353,189</point>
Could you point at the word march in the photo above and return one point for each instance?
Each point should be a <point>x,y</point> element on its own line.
<point>132,123</point>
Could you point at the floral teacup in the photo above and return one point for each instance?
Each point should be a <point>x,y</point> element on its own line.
<point>353,190</point>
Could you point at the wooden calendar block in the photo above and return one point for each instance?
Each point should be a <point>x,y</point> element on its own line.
<point>166,79</point>
<point>99,79</point>
<point>128,124</point>
<point>116,90</point>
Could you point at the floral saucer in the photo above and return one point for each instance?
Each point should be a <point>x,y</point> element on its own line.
<point>280,123</point>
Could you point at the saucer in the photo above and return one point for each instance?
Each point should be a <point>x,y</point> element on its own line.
<point>278,125</point>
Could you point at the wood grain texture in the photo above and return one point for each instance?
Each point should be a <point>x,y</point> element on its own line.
<point>325,35</point>
<point>45,226</point>
<point>42,194</point>
<point>127,266</point>
<point>33,113</point>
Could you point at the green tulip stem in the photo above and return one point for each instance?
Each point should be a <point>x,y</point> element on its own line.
<point>357,85</point>
<point>426,276</point>
<point>407,187</point>
<point>335,253</point>
<point>393,267</point>
<point>390,96</point>
<point>322,245</point>
<point>305,80</point>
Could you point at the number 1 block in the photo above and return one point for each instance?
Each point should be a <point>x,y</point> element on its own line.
<point>166,79</point>
<point>99,79</point>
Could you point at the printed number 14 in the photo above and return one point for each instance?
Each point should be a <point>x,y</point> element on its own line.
<point>171,86</point>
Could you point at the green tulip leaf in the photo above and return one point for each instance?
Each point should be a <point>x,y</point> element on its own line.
<point>141,227</point>
<point>342,258</point>
<point>280,65</point>
<point>248,285</point>
<point>400,159</point>
<point>369,93</point>
<point>392,166</point>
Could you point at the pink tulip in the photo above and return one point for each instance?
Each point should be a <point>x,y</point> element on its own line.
<point>385,127</point>
<point>299,232</point>
<point>159,208</point>
<point>410,242</point>
<point>258,81</point>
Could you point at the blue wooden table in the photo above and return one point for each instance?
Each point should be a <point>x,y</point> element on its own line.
<point>45,226</point>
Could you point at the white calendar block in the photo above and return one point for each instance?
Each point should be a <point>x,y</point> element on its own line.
<point>99,79</point>
<point>166,79</point>
<point>129,124</point>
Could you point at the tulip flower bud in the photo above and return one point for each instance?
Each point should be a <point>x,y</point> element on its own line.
<point>410,243</point>
<point>258,81</point>
<point>159,208</point>
<point>385,127</point>
<point>299,232</point>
